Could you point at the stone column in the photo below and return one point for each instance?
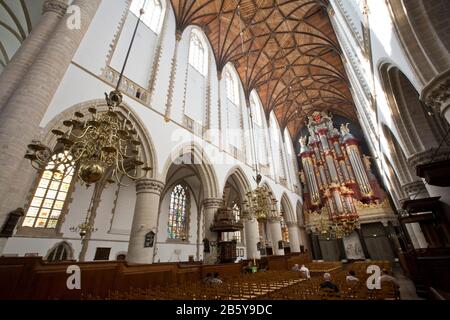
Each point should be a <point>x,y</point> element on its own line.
<point>422,242</point>
<point>16,69</point>
<point>251,232</point>
<point>416,190</point>
<point>210,207</point>
<point>363,243</point>
<point>412,236</point>
<point>145,220</point>
<point>22,114</point>
<point>303,237</point>
<point>275,236</point>
<point>294,241</point>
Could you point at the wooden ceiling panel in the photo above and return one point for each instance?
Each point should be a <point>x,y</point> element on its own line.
<point>286,50</point>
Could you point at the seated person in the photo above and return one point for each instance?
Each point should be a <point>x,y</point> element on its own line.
<point>305,272</point>
<point>386,277</point>
<point>248,268</point>
<point>296,268</point>
<point>351,278</point>
<point>208,278</point>
<point>215,279</point>
<point>328,284</point>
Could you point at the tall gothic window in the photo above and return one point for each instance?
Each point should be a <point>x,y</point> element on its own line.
<point>197,53</point>
<point>51,193</point>
<point>153,13</point>
<point>232,87</point>
<point>259,128</point>
<point>177,226</point>
<point>237,217</point>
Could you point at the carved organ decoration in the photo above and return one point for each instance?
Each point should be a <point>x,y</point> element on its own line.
<point>335,174</point>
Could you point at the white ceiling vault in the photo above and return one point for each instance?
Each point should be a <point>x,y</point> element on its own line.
<point>17,18</point>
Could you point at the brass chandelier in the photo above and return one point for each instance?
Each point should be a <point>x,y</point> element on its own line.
<point>101,146</point>
<point>260,203</point>
<point>336,227</point>
<point>104,144</point>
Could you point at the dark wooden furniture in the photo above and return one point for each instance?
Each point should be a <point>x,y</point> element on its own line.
<point>33,278</point>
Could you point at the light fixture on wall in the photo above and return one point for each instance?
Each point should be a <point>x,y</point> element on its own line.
<point>101,144</point>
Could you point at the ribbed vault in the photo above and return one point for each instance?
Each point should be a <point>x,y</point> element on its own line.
<point>285,49</point>
<point>17,18</point>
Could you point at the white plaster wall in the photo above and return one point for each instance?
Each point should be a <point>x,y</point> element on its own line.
<point>364,72</point>
<point>82,83</point>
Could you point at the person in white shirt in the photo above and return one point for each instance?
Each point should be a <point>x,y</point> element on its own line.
<point>387,278</point>
<point>296,268</point>
<point>351,279</point>
<point>305,272</point>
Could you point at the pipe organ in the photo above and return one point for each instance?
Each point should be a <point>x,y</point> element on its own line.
<point>335,175</point>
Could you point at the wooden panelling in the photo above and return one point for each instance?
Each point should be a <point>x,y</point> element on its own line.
<point>32,278</point>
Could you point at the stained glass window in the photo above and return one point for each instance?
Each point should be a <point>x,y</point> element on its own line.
<point>153,13</point>
<point>48,200</point>
<point>197,54</point>
<point>177,226</point>
<point>61,252</point>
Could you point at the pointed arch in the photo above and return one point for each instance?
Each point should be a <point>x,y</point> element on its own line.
<point>61,251</point>
<point>238,175</point>
<point>396,156</point>
<point>193,154</point>
<point>198,51</point>
<point>407,111</point>
<point>285,203</point>
<point>148,149</point>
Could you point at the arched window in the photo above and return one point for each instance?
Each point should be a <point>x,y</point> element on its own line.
<point>60,252</point>
<point>259,128</point>
<point>51,193</point>
<point>237,216</point>
<point>232,87</point>
<point>255,107</point>
<point>177,226</point>
<point>153,13</point>
<point>197,53</point>
<point>277,151</point>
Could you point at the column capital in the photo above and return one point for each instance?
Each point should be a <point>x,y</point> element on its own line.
<point>212,203</point>
<point>273,219</point>
<point>428,156</point>
<point>291,224</point>
<point>437,93</point>
<point>414,187</point>
<point>149,186</point>
<point>57,6</point>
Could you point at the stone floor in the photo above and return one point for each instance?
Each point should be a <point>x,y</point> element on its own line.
<point>407,288</point>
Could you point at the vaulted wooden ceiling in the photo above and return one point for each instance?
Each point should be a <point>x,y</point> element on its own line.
<point>285,49</point>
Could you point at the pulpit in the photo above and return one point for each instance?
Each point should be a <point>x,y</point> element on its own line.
<point>227,251</point>
<point>225,221</point>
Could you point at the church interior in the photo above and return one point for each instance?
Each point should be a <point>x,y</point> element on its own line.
<point>225,149</point>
